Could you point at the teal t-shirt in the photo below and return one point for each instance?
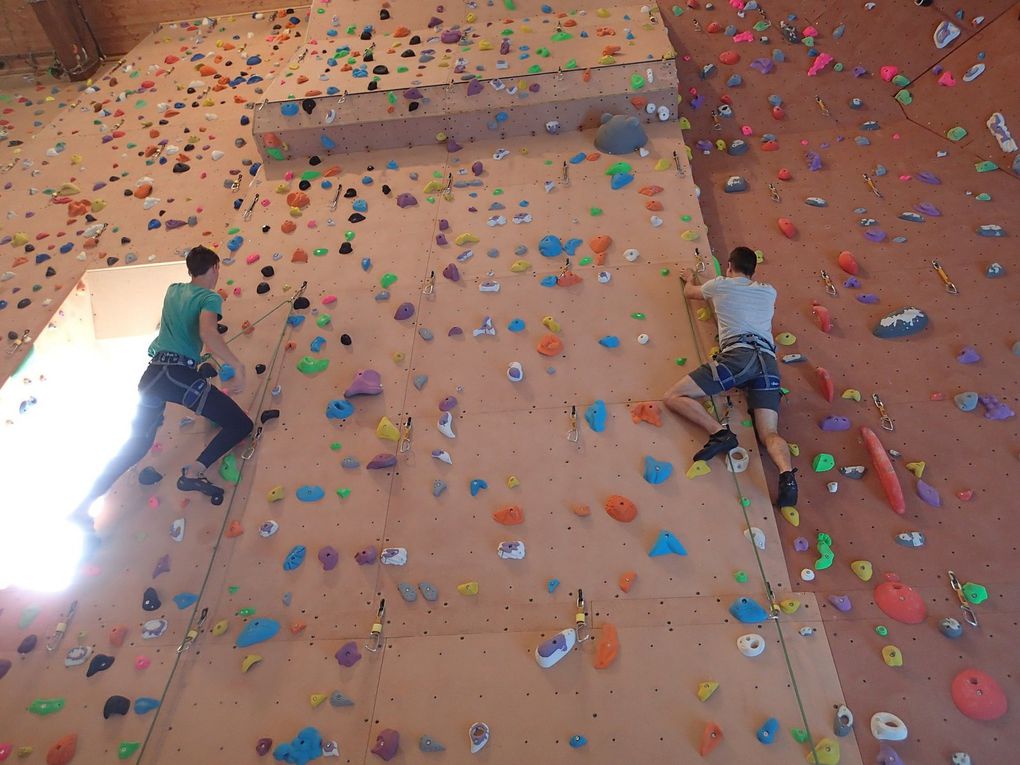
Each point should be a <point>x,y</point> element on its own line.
<point>178,327</point>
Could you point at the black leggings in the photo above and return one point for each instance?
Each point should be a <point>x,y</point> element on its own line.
<point>182,385</point>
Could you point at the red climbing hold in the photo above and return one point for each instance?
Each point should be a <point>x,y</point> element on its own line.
<point>784,174</point>
<point>847,262</point>
<point>778,113</point>
<point>787,227</point>
<point>710,738</point>
<point>900,602</point>
<point>978,695</point>
<point>729,57</point>
<point>63,751</point>
<point>826,384</point>
<point>822,316</point>
<point>883,466</point>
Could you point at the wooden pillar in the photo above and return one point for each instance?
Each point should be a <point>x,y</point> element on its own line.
<point>73,43</point>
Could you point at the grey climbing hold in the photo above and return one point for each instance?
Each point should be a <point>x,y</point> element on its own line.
<point>994,271</point>
<point>901,323</point>
<point>843,722</point>
<point>420,380</point>
<point>911,539</point>
<point>853,471</point>
<point>619,134</point>
<point>407,592</point>
<point>350,463</point>
<point>428,591</point>
<point>429,744</point>
<point>816,202</point>
<point>950,627</point>
<point>966,401</point>
<point>337,699</point>
<point>426,333</point>
<point>735,184</point>
<point>991,230</point>
<point>438,487</point>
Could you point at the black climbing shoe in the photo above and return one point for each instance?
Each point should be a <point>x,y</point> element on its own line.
<point>721,442</point>
<point>787,489</point>
<point>200,484</point>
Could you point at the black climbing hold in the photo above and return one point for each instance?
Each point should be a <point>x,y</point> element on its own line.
<point>366,35</point>
<point>149,476</point>
<point>28,644</point>
<point>314,160</point>
<point>415,40</point>
<point>180,167</point>
<point>301,303</point>
<point>409,53</point>
<point>150,600</point>
<point>355,218</point>
<point>413,106</point>
<point>112,261</point>
<point>380,69</point>
<point>222,329</point>
<point>90,218</point>
<point>368,57</point>
<point>262,288</point>
<point>128,193</point>
<point>125,240</point>
<point>383,14</point>
<point>265,229</point>
<point>116,705</point>
<point>24,303</point>
<point>50,271</point>
<point>308,105</point>
<point>268,271</point>
<point>260,369</point>
<point>386,189</point>
<point>5,667</point>
<point>12,335</point>
<point>373,85</point>
<point>269,414</point>
<point>99,663</point>
<point>346,248</point>
<point>345,339</point>
<point>350,193</point>
<point>207,370</point>
<point>304,185</point>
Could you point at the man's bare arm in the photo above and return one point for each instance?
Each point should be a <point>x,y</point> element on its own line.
<point>691,290</point>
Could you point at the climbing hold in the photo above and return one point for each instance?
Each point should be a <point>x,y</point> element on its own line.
<point>751,645</point>
<point>655,471</point>
<point>885,726</point>
<point>550,651</point>
<point>698,468</point>
<point>883,466</point>
<point>512,550</point>
<point>294,558</point>
<point>665,544</point>
<point>468,588</point>
<point>366,382</point>
<point>823,462</point>
<point>257,631</point>
<point>63,750</point>
<point>387,430</point>
<point>900,602</point>
<point>387,742</point>
<point>978,695</point>
<point>824,752</point>
<point>901,323</point>
<point>747,611</point>
<point>510,515</point>
<point>348,655</point>
<point>116,705</point>
<point>767,732</point>
<point>620,508</point>
<point>478,736</point>
<point>710,738</point>
<point>929,494</point>
<point>595,415</point>
<point>862,569</point>
<point>825,379</point>
<point>910,539</point>
<point>99,663</point>
<point>429,744</point>
<point>787,228</point>
<point>627,580</point>
<point>841,602</point>
<point>706,688</point>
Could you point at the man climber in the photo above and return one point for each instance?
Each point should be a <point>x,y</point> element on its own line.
<point>190,313</point>
<point>747,360</point>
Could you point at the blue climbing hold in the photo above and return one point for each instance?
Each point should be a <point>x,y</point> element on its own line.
<point>571,245</point>
<point>257,631</point>
<point>550,246</point>
<point>360,205</point>
<point>234,243</point>
<point>145,704</point>
<point>577,741</point>
<point>294,558</point>
<point>657,472</point>
<point>551,585</point>
<point>306,746</point>
<point>577,158</point>
<point>747,611</point>
<point>477,485</point>
<point>295,320</point>
<point>516,325</point>
<point>549,281</point>
<point>767,732</point>
<point>734,81</point>
<point>339,409</point>
<point>610,341</point>
<point>317,343</point>
<point>185,599</point>
<point>665,544</point>
<point>619,180</point>
<point>366,264</point>
<point>310,493</point>
<point>595,416</point>
<point>154,224</point>
<point>289,109</point>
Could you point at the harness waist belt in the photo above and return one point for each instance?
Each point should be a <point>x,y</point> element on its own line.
<point>749,340</point>
<point>171,358</point>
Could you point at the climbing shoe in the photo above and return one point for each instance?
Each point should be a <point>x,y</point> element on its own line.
<point>200,484</point>
<point>721,442</point>
<point>787,489</point>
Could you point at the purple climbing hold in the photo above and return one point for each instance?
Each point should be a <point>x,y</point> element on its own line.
<point>28,644</point>
<point>929,178</point>
<point>927,208</point>
<point>454,331</point>
<point>162,566</point>
<point>382,462</point>
<point>477,168</point>
<point>968,355</point>
<point>5,667</point>
<point>406,200</point>
<point>441,240</point>
<point>928,493</point>
<point>448,403</point>
<point>859,71</point>
<point>475,87</point>
<point>814,161</point>
<point>449,37</point>
<point>452,146</point>
<point>852,283</point>
<point>413,94</point>
<point>800,544</point>
<point>366,557</point>
<point>841,602</point>
<point>832,423</point>
<point>366,383</point>
<point>874,235</point>
<point>328,557</point>
<point>867,298</point>
<point>434,22</point>
<point>348,655</point>
<point>262,746</point>
<point>452,273</point>
<point>444,224</point>
<point>404,311</point>
<point>995,409</point>
<point>763,65</point>
<point>889,756</point>
<point>386,744</point>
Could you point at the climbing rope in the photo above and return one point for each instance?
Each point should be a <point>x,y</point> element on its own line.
<point>769,592</point>
<point>192,625</point>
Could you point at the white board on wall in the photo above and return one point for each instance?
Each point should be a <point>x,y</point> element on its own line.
<point>128,301</point>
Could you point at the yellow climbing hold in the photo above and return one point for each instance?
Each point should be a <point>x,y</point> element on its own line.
<point>602,13</point>
<point>685,124</point>
<point>471,18</point>
<point>720,145</point>
<point>316,699</point>
<point>484,44</point>
<point>917,468</point>
<point>786,338</point>
<point>704,313</point>
<point>863,569</point>
<point>551,324</point>
<point>433,186</point>
<point>19,239</point>
<point>698,468</point>
<point>663,164</point>
<point>295,212</point>
<point>468,588</point>
<point>791,515</point>
<point>220,627</point>
<point>398,357</point>
<point>607,59</point>
<point>98,204</point>
<point>282,188</point>
<point>512,482</point>
<point>892,656</point>
<point>789,605</point>
<point>690,235</point>
<point>387,430</point>
<point>706,688</point>
<point>851,394</point>
<point>67,189</point>
<point>520,266</point>
<point>250,661</point>
<point>440,136</point>
<point>794,450</point>
<point>827,750</point>
<point>466,238</point>
<point>275,494</point>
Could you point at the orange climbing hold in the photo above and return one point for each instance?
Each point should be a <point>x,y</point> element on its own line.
<point>822,316</point>
<point>729,57</point>
<point>787,228</point>
<point>207,71</point>
<point>638,102</point>
<point>653,205</point>
<point>550,345</point>
<point>298,199</point>
<point>272,140</point>
<point>710,738</point>
<point>296,628</point>
<point>608,646</point>
<point>143,191</point>
<point>63,751</point>
<point>401,32</point>
<point>826,384</point>
<point>511,515</point>
<point>647,411</point>
<point>581,511</point>
<point>299,256</point>
<point>234,530</point>
<point>567,279</point>
<point>848,262</point>
<point>650,191</point>
<point>627,579</point>
<point>288,227</point>
<point>621,508</point>
<point>117,635</point>
<point>599,244</point>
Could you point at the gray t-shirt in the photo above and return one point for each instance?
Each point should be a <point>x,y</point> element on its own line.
<point>741,306</point>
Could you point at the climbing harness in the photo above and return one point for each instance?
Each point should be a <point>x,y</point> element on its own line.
<point>871,185</point>
<point>251,207</point>
<point>572,434</point>
<point>405,437</point>
<point>950,287</point>
<point>195,394</point>
<point>193,632</point>
<point>968,612</point>
<point>829,286</point>
<point>761,347</point>
<point>581,619</point>
<point>61,629</point>
<point>375,640</point>
<point>886,421</point>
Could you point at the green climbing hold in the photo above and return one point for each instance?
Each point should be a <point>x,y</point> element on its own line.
<point>586,260</point>
<point>983,197</point>
<point>740,576</point>
<point>823,462</point>
<point>745,502</point>
<point>497,192</point>
<point>785,391</point>
<point>986,166</point>
<point>336,446</point>
<point>343,493</point>
<point>387,280</point>
<point>229,471</point>
<point>663,272</point>
<point>43,707</point>
<point>686,218</point>
<point>391,97</point>
<point>534,69</point>
<point>681,361</point>
<point>746,423</point>
<point>233,230</point>
<point>246,611</point>
<point>324,320</point>
<point>310,175</point>
<point>761,26</point>
<point>543,52</point>
<point>127,748</point>
<point>320,251</point>
<point>808,41</point>
<point>677,10</point>
<point>571,64</point>
<point>904,97</point>
<point>637,81</point>
<point>348,235</point>
<point>234,589</point>
<point>561,36</point>
<point>619,167</point>
<point>975,593</point>
<point>799,735</point>
<point>638,315</point>
<point>881,630</point>
<point>595,211</point>
<point>956,133</point>
<point>28,616</point>
<point>274,153</point>
<point>310,365</point>
<point>402,69</point>
<point>837,67</point>
<point>900,81</point>
<point>510,5</point>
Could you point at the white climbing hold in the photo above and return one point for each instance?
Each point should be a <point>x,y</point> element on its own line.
<point>885,726</point>
<point>393,556</point>
<point>515,372</point>
<point>755,535</point>
<point>446,425</point>
<point>751,645</point>
<point>738,460</point>
<point>478,735</point>
<point>551,651</point>
<point>511,550</point>
<point>443,456</point>
<point>807,574</point>
<point>631,255</point>
<point>177,530</point>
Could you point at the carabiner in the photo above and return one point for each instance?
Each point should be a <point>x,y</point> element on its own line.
<point>886,420</point>
<point>829,286</point>
<point>405,437</point>
<point>950,287</point>
<point>572,434</point>
<point>581,619</point>
<point>376,637</point>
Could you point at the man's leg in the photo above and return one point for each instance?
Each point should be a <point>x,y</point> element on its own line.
<point>766,423</point>
<point>684,399</point>
<point>234,423</point>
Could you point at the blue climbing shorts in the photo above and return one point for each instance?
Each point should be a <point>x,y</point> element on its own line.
<point>757,374</point>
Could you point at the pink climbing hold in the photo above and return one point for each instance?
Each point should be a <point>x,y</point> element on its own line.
<point>888,72</point>
<point>366,383</point>
<point>787,228</point>
<point>821,61</point>
<point>746,36</point>
<point>947,80</point>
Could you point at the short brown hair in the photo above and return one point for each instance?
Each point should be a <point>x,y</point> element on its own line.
<point>200,259</point>
<point>743,260</point>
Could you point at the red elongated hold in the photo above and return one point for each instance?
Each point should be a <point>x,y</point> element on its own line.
<point>778,113</point>
<point>62,752</point>
<point>883,467</point>
<point>826,384</point>
<point>823,318</point>
<point>710,738</point>
<point>847,262</point>
<point>787,228</point>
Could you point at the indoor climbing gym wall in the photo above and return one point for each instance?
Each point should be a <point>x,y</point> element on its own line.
<point>465,526</point>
